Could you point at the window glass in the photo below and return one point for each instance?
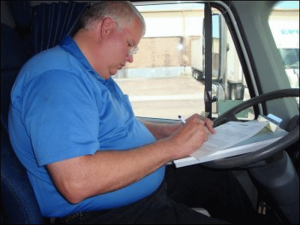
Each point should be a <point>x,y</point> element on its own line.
<point>228,82</point>
<point>284,24</point>
<point>166,77</point>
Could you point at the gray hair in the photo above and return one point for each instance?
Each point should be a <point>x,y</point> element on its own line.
<point>121,12</point>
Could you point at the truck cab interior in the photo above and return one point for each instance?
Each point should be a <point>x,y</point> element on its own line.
<point>234,60</point>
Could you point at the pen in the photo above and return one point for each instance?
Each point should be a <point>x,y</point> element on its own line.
<point>182,119</point>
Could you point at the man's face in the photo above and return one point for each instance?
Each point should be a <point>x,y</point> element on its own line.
<point>124,44</point>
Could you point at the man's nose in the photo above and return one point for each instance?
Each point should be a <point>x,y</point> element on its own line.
<point>129,58</point>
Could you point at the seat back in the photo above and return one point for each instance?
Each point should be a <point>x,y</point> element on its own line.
<point>18,202</point>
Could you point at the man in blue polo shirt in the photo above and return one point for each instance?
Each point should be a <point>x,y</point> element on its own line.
<point>89,159</point>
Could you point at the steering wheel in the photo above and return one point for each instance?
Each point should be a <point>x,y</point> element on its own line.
<point>265,152</point>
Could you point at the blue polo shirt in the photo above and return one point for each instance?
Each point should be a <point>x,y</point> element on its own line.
<point>62,108</point>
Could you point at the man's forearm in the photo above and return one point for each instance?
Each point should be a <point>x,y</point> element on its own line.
<point>161,130</point>
<point>105,171</point>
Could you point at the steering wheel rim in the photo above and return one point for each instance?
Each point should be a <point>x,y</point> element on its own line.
<point>265,152</point>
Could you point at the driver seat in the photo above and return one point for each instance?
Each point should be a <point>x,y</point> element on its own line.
<point>18,202</point>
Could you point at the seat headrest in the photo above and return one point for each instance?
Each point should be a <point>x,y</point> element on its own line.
<point>14,51</point>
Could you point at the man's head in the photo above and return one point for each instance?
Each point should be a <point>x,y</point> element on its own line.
<point>109,35</point>
<point>122,12</point>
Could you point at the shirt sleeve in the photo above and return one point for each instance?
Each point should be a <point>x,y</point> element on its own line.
<point>61,117</point>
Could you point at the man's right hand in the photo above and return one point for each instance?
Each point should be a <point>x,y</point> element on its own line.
<point>191,135</point>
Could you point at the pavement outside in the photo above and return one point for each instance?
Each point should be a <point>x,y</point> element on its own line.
<point>164,97</point>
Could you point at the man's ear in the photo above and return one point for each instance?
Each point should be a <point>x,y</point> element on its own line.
<point>107,27</point>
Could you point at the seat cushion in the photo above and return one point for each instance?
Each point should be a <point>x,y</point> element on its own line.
<point>18,202</point>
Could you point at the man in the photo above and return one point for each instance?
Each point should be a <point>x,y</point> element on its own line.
<point>89,159</point>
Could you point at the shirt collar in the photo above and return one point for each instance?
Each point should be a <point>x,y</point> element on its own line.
<point>69,45</point>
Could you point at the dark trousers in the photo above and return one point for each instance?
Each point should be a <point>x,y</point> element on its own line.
<point>218,191</point>
<point>193,186</point>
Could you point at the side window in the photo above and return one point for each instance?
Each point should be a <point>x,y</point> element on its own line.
<point>167,75</point>
<point>284,24</point>
<point>229,86</point>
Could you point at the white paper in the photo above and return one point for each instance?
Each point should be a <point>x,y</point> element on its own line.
<point>227,135</point>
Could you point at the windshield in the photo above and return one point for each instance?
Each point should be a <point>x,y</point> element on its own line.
<point>290,58</point>
<point>284,24</point>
